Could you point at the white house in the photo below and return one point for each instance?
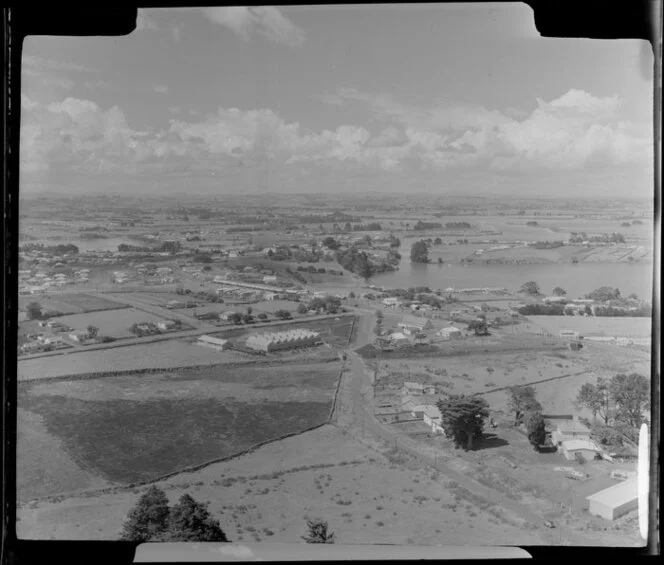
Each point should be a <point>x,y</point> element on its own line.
<point>78,336</point>
<point>411,324</point>
<point>433,418</point>
<point>268,279</point>
<point>391,301</point>
<point>227,315</point>
<point>580,447</point>
<point>570,430</point>
<point>166,325</point>
<point>409,388</point>
<point>450,332</point>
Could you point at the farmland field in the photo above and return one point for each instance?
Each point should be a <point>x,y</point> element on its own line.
<point>70,303</point>
<point>485,372</point>
<point>592,325</point>
<point>160,355</point>
<point>137,427</point>
<point>114,323</point>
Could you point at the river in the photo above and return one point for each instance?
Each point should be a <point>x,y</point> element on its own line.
<point>577,279</point>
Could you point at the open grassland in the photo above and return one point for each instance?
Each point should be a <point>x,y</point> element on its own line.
<point>159,355</point>
<point>114,323</point>
<point>556,376</point>
<point>501,341</point>
<point>70,303</point>
<point>595,325</point>
<point>366,495</point>
<point>138,427</point>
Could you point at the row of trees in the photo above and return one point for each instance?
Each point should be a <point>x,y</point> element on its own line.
<point>625,398</point>
<point>59,249</point>
<point>580,237</point>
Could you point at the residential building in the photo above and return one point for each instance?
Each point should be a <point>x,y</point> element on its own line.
<point>554,299</point>
<point>615,501</point>
<point>433,418</point>
<point>166,325</point>
<point>267,279</point>
<point>398,338</point>
<point>573,448</point>
<point>450,332</point>
<point>411,324</point>
<point>78,336</point>
<point>570,430</point>
<point>280,341</point>
<point>391,301</point>
<point>214,342</point>
<point>227,315</point>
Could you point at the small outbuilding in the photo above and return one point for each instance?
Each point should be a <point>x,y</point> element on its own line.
<point>214,342</point>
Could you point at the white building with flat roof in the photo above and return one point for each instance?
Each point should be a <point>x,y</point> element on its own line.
<point>613,502</point>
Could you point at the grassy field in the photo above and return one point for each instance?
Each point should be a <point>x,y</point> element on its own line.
<point>160,355</point>
<point>137,427</point>
<point>484,372</point>
<point>70,303</point>
<point>114,323</point>
<point>367,495</point>
<point>591,325</point>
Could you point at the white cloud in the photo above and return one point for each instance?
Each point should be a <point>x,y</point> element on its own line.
<point>573,132</point>
<point>160,89</point>
<point>268,21</point>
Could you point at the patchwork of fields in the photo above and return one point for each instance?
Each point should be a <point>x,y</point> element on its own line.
<point>138,427</point>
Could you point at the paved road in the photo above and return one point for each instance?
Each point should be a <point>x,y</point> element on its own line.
<point>359,392</point>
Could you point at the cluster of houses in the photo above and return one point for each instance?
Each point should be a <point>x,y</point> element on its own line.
<point>414,401</point>
<point>43,281</point>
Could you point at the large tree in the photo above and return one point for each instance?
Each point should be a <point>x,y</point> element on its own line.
<point>604,294</point>
<point>530,287</point>
<point>34,310</point>
<point>596,398</point>
<point>190,520</point>
<point>463,418</point>
<point>92,331</point>
<point>148,518</point>
<point>318,532</point>
<point>559,291</point>
<point>631,397</point>
<point>536,430</point>
<point>522,400</point>
<point>419,252</point>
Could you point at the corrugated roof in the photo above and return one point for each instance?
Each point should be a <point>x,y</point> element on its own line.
<point>617,495</point>
<point>569,426</point>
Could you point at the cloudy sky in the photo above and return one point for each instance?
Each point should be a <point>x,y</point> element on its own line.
<point>438,98</point>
